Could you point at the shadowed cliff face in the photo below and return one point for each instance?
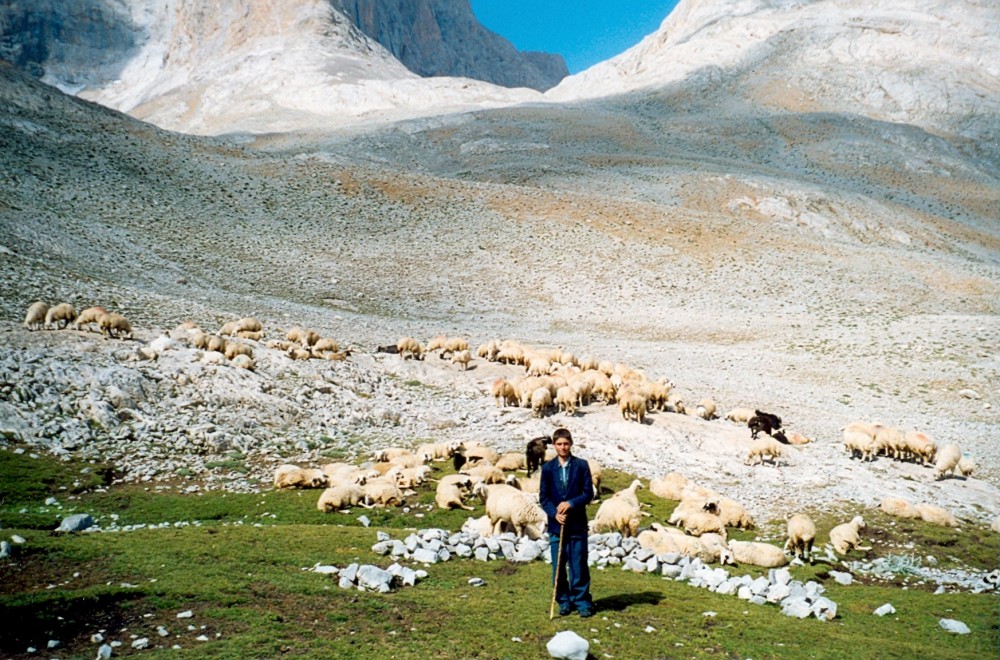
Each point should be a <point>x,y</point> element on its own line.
<point>72,42</point>
<point>443,38</point>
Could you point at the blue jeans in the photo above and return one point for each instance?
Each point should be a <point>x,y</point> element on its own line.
<point>574,591</point>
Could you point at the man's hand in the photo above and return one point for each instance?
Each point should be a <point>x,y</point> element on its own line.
<point>561,512</point>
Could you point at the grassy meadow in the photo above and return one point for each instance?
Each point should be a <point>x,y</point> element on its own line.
<point>240,572</point>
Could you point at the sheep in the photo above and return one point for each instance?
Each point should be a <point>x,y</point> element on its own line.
<point>847,536</point>
<point>480,454</point>
<point>705,409</point>
<point>89,316</point>
<point>487,472</point>
<point>410,460</point>
<point>279,345</point>
<point>690,506</point>
<point>506,504</point>
<point>709,548</point>
<point>762,447</point>
<point>898,507</point>
<point>438,451</point>
<point>249,334</point>
<point>763,421</point>
<point>326,345</point>
<point>297,335</point>
<point>488,351</point>
<point>390,453</point>
<point>966,466</point>
<point>382,493</point>
<point>244,362</point>
<point>63,313</point>
<point>630,492</point>
<point>741,415</point>
<point>462,358</point>
<point>632,405</point>
<point>617,514</point>
<point>452,495</point>
<point>247,324</point>
<point>115,325</point>
<point>34,319</point>
<point>504,393</point>
<point>297,353</point>
<point>669,487</point>
<point>566,398</point>
<point>235,348</point>
<point>340,497</point>
<point>408,346</point>
<point>595,476</point>
<point>936,515</point>
<point>700,522</point>
<point>859,443</point>
<point>921,446</point>
<point>535,452</point>
<point>947,460</point>
<point>675,403</point>
<point>798,439</point>
<point>512,461</point>
<point>453,345</point>
<point>228,329</point>
<point>541,401</point>
<point>890,439</point>
<point>528,485</point>
<point>756,553</point>
<point>801,535</point>
<point>292,476</point>
<point>733,514</point>
<point>215,343</point>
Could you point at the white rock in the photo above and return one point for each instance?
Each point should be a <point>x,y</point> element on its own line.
<point>18,540</point>
<point>841,577</point>
<point>104,652</point>
<point>885,609</point>
<point>567,644</point>
<point>186,614</point>
<point>954,626</point>
<point>141,643</point>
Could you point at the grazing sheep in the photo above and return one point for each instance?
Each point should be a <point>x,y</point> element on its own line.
<point>453,345</point>
<point>890,439</point>
<point>408,346</point>
<point>340,497</point>
<point>704,409</point>
<point>898,507</point>
<point>63,314</point>
<point>504,393</point>
<point>382,493</point>
<point>234,348</point>
<point>512,461</point>
<point>763,421</point>
<point>244,362</point>
<point>761,448</point>
<point>632,405</point>
<point>801,535</point>
<point>541,401</point>
<point>462,358</point>
<point>409,460</point>
<point>452,495</point>
<point>669,487</point>
<point>535,452</point>
<point>947,460</point>
<point>859,444</point>
<point>228,329</point>
<point>35,317</point>
<point>292,476</point>
<point>921,446</point>
<point>617,514</point>
<point>966,466</point>
<point>507,505</point>
<point>89,316</point>
<point>566,398</point>
<point>741,415</point>
<point>115,325</point>
<point>936,515</point>
<point>733,514</point>
<point>595,476</point>
<point>848,535</point>
<point>756,553</point>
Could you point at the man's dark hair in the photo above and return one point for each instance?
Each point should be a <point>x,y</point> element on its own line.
<point>562,433</point>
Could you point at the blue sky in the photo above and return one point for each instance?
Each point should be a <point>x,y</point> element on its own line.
<point>585,32</point>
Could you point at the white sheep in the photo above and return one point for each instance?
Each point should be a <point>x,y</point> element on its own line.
<point>34,319</point>
<point>709,548</point>
<point>244,362</point>
<point>504,393</point>
<point>966,466</point>
<point>669,486</point>
<point>741,415</point>
<point>454,345</point>
<point>947,460</point>
<point>936,515</point>
<point>89,316</point>
<point>63,313</point>
<point>898,507</point>
<point>293,476</point>
<point>632,405</point>
<point>341,496</point>
<point>438,451</point>
<point>848,535</point>
<point>388,454</point>
<point>479,453</point>
<point>115,325</point>
<point>382,493</point>
<point>235,348</point>
<point>734,514</point>
<point>595,476</point>
<point>514,460</point>
<point>704,409</point>
<point>566,398</point>
<point>762,447</point>
<point>701,522</point>
<point>410,346</point>
<point>528,485</point>
<point>801,535</point>
<point>247,324</point>
<point>507,505</point>
<point>922,446</point>
<point>541,401</point>
<point>325,346</point>
<point>756,553</point>
<point>487,472</point>
<point>689,507</point>
<point>452,495</point>
<point>617,514</point>
<point>859,439</point>
<point>463,358</point>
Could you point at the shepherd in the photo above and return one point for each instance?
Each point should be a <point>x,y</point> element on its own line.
<point>565,489</point>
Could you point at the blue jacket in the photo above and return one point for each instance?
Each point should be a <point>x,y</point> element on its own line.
<point>579,491</point>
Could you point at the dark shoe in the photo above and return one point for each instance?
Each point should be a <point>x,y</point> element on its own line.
<point>565,610</point>
<point>586,614</point>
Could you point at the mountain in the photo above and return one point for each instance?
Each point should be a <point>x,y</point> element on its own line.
<point>443,38</point>
<point>931,63</point>
<point>240,66</point>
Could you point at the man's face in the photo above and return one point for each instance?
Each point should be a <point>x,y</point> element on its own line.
<point>562,446</point>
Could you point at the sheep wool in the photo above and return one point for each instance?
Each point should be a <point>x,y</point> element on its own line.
<point>60,316</point>
<point>801,535</point>
<point>898,507</point>
<point>947,460</point>
<point>758,554</point>
<point>34,319</point>
<point>936,515</point>
<point>848,535</point>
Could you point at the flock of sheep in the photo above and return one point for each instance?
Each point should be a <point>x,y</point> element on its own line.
<point>867,440</point>
<point>58,317</point>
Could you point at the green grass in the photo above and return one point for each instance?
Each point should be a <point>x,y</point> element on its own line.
<point>251,598</point>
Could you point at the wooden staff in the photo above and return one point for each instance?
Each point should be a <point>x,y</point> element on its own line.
<point>555,581</point>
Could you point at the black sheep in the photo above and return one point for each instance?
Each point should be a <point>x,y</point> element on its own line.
<point>535,452</point>
<point>763,421</point>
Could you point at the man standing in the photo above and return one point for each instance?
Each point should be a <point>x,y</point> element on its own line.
<point>565,489</point>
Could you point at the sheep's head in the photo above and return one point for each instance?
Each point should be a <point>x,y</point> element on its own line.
<point>858,522</point>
